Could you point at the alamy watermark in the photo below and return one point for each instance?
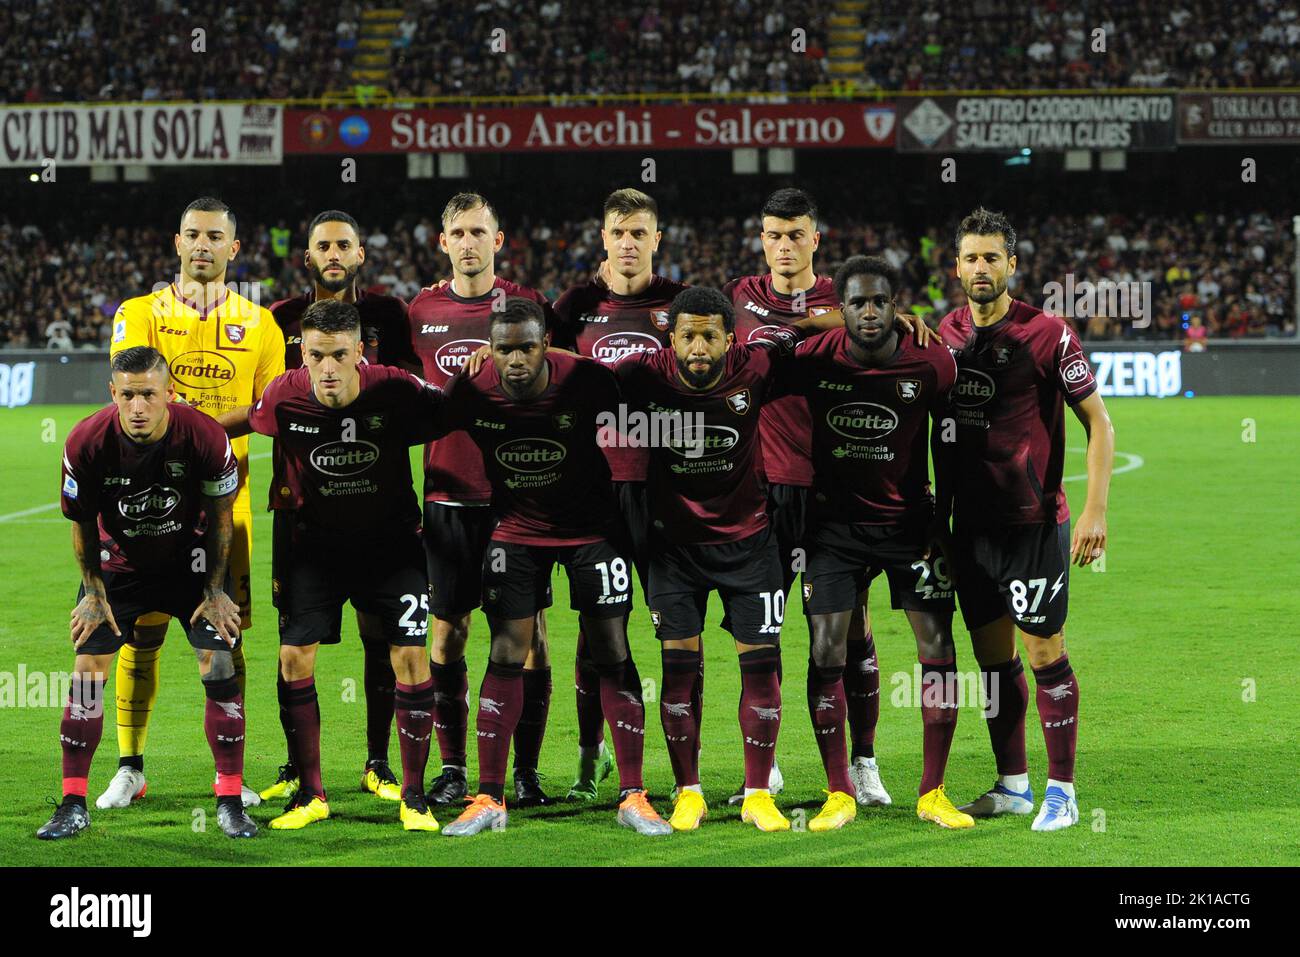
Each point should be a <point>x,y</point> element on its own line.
<point>1082,299</point>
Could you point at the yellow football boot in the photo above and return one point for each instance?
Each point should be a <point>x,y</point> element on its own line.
<point>299,816</point>
<point>688,811</point>
<point>935,806</point>
<point>415,814</point>
<point>760,810</point>
<point>380,781</point>
<point>839,809</point>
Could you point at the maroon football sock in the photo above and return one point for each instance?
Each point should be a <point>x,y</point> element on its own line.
<point>938,718</point>
<point>286,721</point>
<point>620,696</point>
<point>451,709</point>
<point>304,717</point>
<point>223,723</point>
<point>1057,695</point>
<point>678,712</point>
<point>862,689</point>
<point>379,681</point>
<point>80,730</point>
<point>760,712</point>
<point>1007,693</point>
<point>586,686</point>
<point>500,701</point>
<point>827,707</point>
<point>532,718</point>
<point>414,711</point>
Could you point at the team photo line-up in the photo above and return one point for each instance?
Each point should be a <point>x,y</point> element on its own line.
<point>705,440</point>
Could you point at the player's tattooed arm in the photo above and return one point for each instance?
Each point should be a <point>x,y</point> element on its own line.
<point>1088,540</point>
<point>217,607</point>
<point>235,422</point>
<point>93,610</point>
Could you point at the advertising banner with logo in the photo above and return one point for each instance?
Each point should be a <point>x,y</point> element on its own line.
<point>171,134</point>
<point>712,126</point>
<point>1233,117</point>
<point>1103,121</point>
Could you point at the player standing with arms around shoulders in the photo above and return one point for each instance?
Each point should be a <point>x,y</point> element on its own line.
<point>1011,543</point>
<point>873,393</point>
<point>345,428</point>
<point>534,416</point>
<point>449,323</point>
<point>710,532</point>
<point>333,257</point>
<point>149,485</point>
<point>622,310</point>
<point>222,349</point>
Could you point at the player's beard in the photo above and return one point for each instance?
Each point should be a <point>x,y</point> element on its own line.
<point>697,380</point>
<point>865,343</point>
<point>334,285</point>
<point>988,293</point>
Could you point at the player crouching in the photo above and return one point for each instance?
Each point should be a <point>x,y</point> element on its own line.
<point>352,533</point>
<point>141,480</point>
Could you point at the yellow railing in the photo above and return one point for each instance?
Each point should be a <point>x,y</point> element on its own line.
<point>377,97</point>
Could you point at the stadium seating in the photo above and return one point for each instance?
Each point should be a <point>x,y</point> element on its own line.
<point>55,50</point>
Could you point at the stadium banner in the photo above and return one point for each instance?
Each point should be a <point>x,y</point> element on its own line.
<point>1161,370</point>
<point>1238,117</point>
<point>556,129</point>
<point>170,134</point>
<point>1154,370</point>
<point>1083,121</point>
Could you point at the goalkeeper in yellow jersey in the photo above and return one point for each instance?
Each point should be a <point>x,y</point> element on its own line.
<point>223,349</point>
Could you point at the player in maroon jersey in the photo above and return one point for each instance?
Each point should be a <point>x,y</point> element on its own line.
<point>149,485</point>
<point>534,418</point>
<point>1012,549</point>
<point>789,291</point>
<point>333,257</point>
<point>449,322</point>
<point>872,394</point>
<point>344,427</point>
<point>622,310</point>
<point>710,530</point>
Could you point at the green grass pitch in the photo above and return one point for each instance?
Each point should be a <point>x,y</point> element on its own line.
<point>1185,648</point>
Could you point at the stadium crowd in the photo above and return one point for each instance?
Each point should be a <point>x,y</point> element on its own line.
<point>61,290</point>
<point>55,50</point>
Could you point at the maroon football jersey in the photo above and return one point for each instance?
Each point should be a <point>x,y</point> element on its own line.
<point>1013,378</point>
<point>705,490</point>
<point>148,498</point>
<point>446,330</point>
<point>549,479</point>
<point>870,426</point>
<point>786,425</point>
<point>602,325</point>
<point>347,470</point>
<point>384,329</point>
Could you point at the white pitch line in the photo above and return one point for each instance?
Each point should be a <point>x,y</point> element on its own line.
<point>1135,461</point>
<point>29,511</point>
<point>37,509</point>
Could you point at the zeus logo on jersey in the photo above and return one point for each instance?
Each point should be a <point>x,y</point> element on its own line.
<point>426,329</point>
<point>344,458</point>
<point>157,501</point>
<point>609,349</point>
<point>754,307</point>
